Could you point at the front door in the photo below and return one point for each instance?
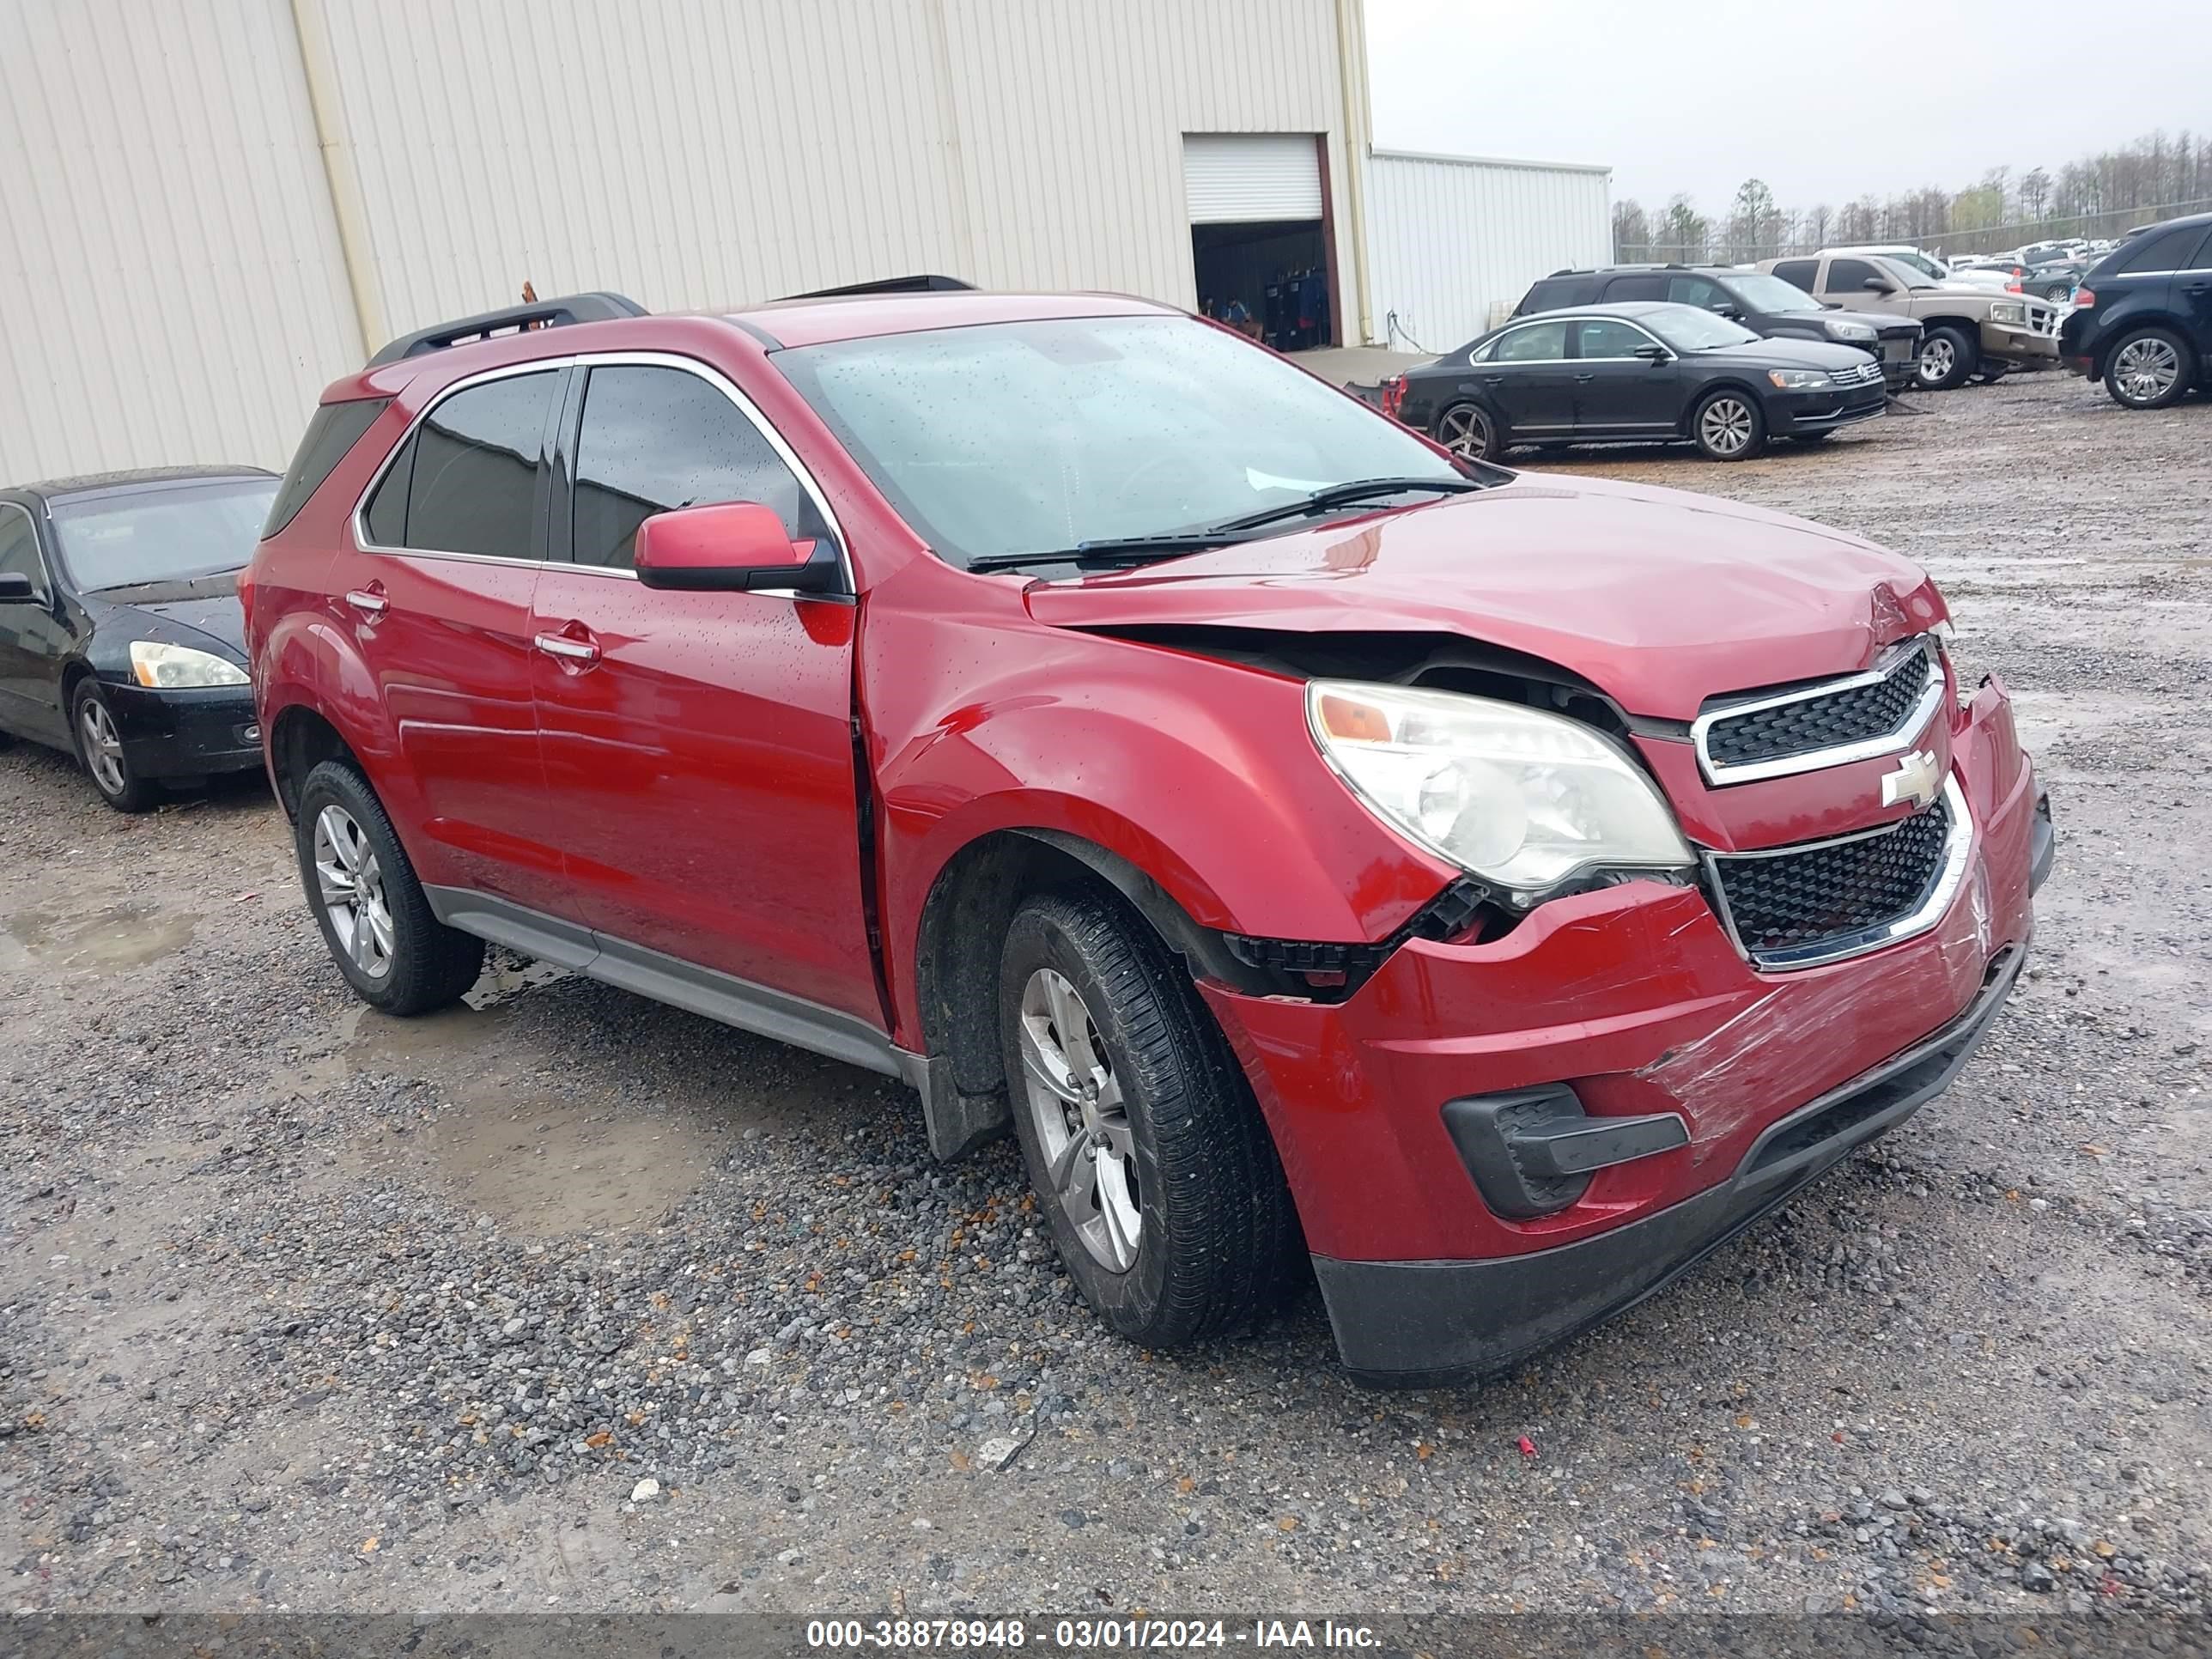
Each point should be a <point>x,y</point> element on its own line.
<point>1617,391</point>
<point>32,639</point>
<point>439,607</point>
<point>699,746</point>
<point>1527,379</point>
<point>2192,298</point>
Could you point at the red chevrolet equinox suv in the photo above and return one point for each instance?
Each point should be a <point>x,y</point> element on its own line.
<point>1494,891</point>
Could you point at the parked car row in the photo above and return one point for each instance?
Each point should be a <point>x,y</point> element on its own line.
<point>1325,854</point>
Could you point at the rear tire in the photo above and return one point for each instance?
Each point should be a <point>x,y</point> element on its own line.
<point>1947,356</point>
<point>2148,368</point>
<point>1470,432</point>
<point>1729,425</point>
<point>374,916</point>
<point>100,750</point>
<point>1151,1164</point>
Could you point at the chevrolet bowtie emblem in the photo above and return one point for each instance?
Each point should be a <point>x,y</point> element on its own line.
<point>1916,779</point>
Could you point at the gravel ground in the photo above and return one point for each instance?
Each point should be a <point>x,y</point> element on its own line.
<point>566,1299</point>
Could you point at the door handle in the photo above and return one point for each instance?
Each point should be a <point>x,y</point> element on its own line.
<point>368,601</point>
<point>568,647</point>
<point>1584,379</point>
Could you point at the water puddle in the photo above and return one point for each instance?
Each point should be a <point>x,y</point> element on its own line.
<point>123,935</point>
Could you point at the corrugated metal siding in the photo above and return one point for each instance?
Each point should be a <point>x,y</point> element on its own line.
<point>693,154</point>
<point>165,217</point>
<point>1449,240</point>
<point>169,269</point>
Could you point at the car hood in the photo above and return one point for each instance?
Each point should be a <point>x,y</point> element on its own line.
<point>1882,322</point>
<point>1785,351</point>
<point>204,613</point>
<point>1659,598</point>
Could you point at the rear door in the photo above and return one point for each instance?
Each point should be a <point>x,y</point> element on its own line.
<point>437,596</point>
<point>1616,390</point>
<point>1526,377</point>
<point>33,639</point>
<point>699,746</point>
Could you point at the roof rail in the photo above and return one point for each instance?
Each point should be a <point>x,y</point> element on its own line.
<point>593,307</point>
<point>918,284</point>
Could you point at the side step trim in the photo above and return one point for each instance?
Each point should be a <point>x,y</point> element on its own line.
<point>719,996</point>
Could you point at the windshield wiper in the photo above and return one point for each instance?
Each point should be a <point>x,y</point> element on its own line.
<point>1116,550</point>
<point>1346,494</point>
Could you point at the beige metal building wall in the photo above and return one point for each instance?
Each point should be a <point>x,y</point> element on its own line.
<point>694,153</point>
<point>170,285</point>
<point>1451,239</point>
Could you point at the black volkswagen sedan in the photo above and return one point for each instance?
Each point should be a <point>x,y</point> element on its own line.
<point>121,638</point>
<point>1638,371</point>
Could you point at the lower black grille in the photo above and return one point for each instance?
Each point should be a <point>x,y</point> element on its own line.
<point>1821,719</point>
<point>1835,894</point>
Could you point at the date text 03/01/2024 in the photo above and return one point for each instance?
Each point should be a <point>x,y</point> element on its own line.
<point>1087,1633</point>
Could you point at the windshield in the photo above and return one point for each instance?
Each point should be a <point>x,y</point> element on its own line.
<point>1031,437</point>
<point>1757,291</point>
<point>162,535</point>
<point>1923,264</point>
<point>1685,328</point>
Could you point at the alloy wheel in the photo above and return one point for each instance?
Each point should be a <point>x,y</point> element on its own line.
<point>103,745</point>
<point>2146,369</point>
<point>1937,360</point>
<point>1724,426</point>
<point>1465,431</point>
<point>1081,1119</point>
<point>349,882</point>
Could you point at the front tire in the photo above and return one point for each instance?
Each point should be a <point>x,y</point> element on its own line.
<point>1470,432</point>
<point>374,916</point>
<point>1151,1162</point>
<point>1729,426</point>
<point>99,749</point>
<point>1947,356</point>
<point>2148,369</point>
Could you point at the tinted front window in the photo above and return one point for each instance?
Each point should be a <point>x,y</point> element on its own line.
<point>658,439</point>
<point>1850,276</point>
<point>1798,273</point>
<point>1017,438</point>
<point>2170,249</point>
<point>1757,291</point>
<point>19,547</point>
<point>164,535</point>
<point>1611,339</point>
<point>333,431</point>
<point>472,486</point>
<point>1539,343</point>
<point>1686,329</point>
<point>1699,291</point>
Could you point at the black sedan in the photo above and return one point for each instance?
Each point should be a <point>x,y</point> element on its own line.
<point>1638,372</point>
<point>121,638</point>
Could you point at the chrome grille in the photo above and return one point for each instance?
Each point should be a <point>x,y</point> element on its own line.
<point>1878,712</point>
<point>1858,375</point>
<point>1799,906</point>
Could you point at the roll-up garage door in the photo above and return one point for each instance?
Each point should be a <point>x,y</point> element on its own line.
<point>1243,178</point>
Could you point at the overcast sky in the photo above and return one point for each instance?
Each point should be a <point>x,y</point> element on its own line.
<point>1823,101</point>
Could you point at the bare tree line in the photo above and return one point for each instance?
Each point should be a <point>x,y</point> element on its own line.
<point>2155,177</point>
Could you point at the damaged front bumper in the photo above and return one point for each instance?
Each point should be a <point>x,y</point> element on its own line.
<point>1699,1091</point>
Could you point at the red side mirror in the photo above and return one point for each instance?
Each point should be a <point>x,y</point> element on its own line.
<point>731,547</point>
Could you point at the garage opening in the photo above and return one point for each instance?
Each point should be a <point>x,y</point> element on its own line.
<point>1260,235</point>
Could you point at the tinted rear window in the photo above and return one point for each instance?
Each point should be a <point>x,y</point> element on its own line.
<point>334,431</point>
<point>2170,250</point>
<point>1554,292</point>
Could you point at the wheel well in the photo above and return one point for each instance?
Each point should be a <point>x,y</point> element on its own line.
<point>1966,325</point>
<point>965,918</point>
<point>1698,402</point>
<point>73,675</point>
<point>303,741</point>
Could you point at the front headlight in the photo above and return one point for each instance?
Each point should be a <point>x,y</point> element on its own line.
<point>2007,313</point>
<point>1856,333</point>
<point>1519,797</point>
<point>175,667</point>
<point>1796,379</point>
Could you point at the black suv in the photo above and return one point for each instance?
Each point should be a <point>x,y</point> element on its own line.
<point>1765,305</point>
<point>2142,317</point>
